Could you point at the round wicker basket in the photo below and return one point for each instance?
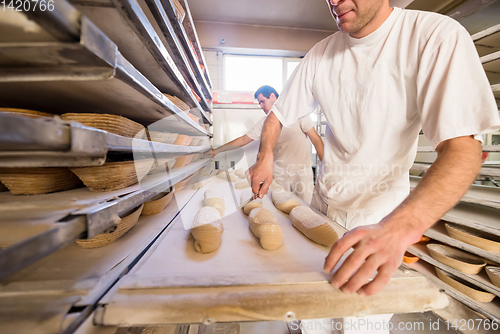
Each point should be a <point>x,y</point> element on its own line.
<point>157,204</point>
<point>38,180</point>
<point>111,123</point>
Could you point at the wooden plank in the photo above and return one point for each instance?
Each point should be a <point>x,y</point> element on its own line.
<point>243,282</point>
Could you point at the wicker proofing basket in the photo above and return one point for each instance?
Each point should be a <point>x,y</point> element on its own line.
<point>113,175</point>
<point>128,221</point>
<point>494,275</point>
<point>464,287</point>
<point>162,165</point>
<point>181,184</point>
<point>38,180</point>
<point>183,140</point>
<point>26,112</point>
<point>111,123</point>
<point>178,103</point>
<point>163,137</point>
<point>480,239</point>
<point>157,204</point>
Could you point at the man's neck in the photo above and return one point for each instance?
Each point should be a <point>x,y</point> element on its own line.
<point>375,23</point>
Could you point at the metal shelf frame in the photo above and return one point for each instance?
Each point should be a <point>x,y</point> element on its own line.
<point>485,171</point>
<point>103,79</point>
<point>190,29</point>
<point>157,6</point>
<point>127,25</point>
<point>53,143</point>
<point>88,222</point>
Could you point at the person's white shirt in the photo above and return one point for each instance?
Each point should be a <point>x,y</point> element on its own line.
<point>292,166</point>
<point>417,70</point>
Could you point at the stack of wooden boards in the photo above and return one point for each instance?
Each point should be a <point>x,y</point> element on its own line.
<point>113,175</point>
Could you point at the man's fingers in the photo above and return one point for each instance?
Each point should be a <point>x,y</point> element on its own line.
<point>383,277</point>
<point>340,247</point>
<point>264,188</point>
<point>353,262</point>
<point>362,275</point>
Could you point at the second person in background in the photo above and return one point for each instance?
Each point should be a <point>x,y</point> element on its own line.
<point>292,167</point>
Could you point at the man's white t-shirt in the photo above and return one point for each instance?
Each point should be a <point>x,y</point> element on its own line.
<point>292,150</point>
<point>418,70</point>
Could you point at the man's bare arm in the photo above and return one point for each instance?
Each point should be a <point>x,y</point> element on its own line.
<point>234,144</point>
<point>262,171</point>
<point>317,142</point>
<point>381,247</point>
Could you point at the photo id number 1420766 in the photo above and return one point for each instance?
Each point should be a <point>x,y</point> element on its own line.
<point>27,5</point>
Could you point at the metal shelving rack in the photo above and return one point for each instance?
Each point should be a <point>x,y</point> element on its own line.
<point>106,57</point>
<point>153,51</point>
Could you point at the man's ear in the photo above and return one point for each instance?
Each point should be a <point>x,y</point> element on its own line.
<point>272,94</point>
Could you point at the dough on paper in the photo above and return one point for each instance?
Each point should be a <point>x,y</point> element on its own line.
<point>215,199</point>
<point>265,227</point>
<point>242,184</point>
<point>313,226</point>
<point>240,173</point>
<point>223,176</point>
<point>207,230</point>
<point>283,200</point>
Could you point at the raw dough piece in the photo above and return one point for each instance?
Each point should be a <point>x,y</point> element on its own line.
<point>265,227</point>
<point>242,184</point>
<point>214,199</point>
<point>313,226</point>
<point>256,203</point>
<point>283,200</point>
<point>207,230</point>
<point>201,184</point>
<point>223,176</point>
<point>240,173</point>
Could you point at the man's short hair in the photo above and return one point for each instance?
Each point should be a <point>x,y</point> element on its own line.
<point>266,91</point>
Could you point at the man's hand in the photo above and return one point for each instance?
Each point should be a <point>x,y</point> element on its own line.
<point>377,247</point>
<point>261,175</point>
<point>209,154</point>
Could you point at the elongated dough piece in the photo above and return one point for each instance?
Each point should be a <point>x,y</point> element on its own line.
<point>283,200</point>
<point>256,203</point>
<point>313,226</point>
<point>265,227</point>
<point>242,184</point>
<point>207,230</point>
<point>240,173</point>
<point>215,199</point>
<point>224,177</point>
<point>201,184</point>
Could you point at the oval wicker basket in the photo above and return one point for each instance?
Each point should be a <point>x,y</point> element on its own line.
<point>494,275</point>
<point>474,237</point>
<point>457,259</point>
<point>183,140</point>
<point>162,165</point>
<point>26,112</point>
<point>113,175</point>
<point>178,103</point>
<point>127,222</point>
<point>38,180</point>
<point>465,287</point>
<point>157,204</point>
<point>111,123</point>
<point>181,184</point>
<point>183,161</point>
<point>163,137</point>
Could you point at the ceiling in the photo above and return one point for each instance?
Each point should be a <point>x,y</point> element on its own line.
<point>302,14</point>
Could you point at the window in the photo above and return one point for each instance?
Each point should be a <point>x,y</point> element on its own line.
<point>248,73</point>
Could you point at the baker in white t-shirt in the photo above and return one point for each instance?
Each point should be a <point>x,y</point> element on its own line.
<point>292,164</point>
<point>384,76</point>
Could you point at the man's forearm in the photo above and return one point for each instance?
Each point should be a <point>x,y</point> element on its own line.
<point>234,144</point>
<point>443,185</point>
